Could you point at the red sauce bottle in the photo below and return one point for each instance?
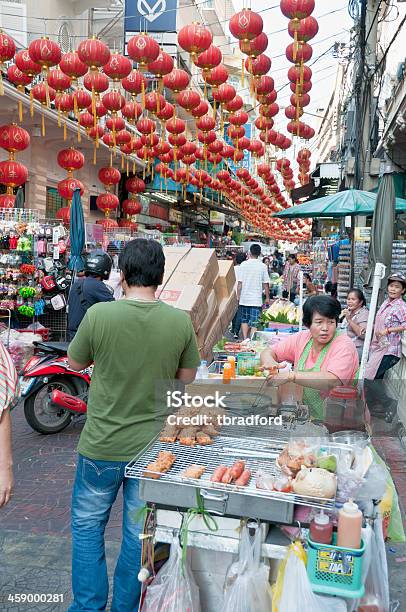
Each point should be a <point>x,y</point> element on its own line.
<point>321,529</point>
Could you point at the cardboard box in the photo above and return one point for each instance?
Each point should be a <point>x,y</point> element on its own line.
<point>199,267</point>
<point>212,337</point>
<point>227,309</point>
<point>225,282</point>
<point>212,315</point>
<point>173,260</point>
<point>191,299</point>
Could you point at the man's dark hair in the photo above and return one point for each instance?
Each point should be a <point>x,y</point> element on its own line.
<point>142,263</point>
<point>239,258</point>
<point>255,250</point>
<point>324,305</point>
<point>292,256</point>
<point>360,295</point>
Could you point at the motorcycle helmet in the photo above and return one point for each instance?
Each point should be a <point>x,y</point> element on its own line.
<point>98,263</point>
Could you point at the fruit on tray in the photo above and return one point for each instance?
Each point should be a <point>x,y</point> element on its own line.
<point>315,482</point>
<point>327,462</point>
<point>161,465</point>
<point>194,471</point>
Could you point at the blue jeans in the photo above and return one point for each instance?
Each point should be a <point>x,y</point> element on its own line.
<point>96,486</point>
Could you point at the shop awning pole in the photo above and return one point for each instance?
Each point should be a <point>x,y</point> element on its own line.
<point>379,274</point>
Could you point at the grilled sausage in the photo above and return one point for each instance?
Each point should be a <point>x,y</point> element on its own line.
<point>218,473</point>
<point>237,469</point>
<point>227,477</point>
<point>244,479</point>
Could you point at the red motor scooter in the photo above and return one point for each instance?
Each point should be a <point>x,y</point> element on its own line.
<point>53,393</point>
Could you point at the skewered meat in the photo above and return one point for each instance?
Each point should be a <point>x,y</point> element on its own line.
<point>218,473</point>
<point>244,479</point>
<point>187,436</point>
<point>203,438</point>
<point>237,469</point>
<point>194,471</point>
<point>210,430</point>
<point>227,478</point>
<point>169,433</point>
<point>162,464</point>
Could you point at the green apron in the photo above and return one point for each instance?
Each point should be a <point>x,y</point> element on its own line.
<point>312,397</point>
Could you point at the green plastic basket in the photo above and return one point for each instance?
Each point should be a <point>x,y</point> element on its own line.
<point>247,364</point>
<point>333,570</point>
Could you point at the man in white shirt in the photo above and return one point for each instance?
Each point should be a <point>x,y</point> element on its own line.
<point>253,280</point>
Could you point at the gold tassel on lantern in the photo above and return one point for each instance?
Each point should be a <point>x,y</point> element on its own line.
<point>1,81</point>
<point>134,167</point>
<point>47,98</point>
<point>79,134</point>
<point>122,162</point>
<point>143,95</point>
<point>214,108</point>
<point>111,157</point>
<point>64,130</point>
<point>94,154</point>
<point>75,106</point>
<point>127,170</point>
<point>42,125</point>
<point>31,103</point>
<point>20,111</point>
<point>242,72</point>
<point>94,108</point>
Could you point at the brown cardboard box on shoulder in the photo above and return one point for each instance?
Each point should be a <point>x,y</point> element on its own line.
<point>199,267</point>
<point>212,337</point>
<point>191,299</point>
<point>228,308</point>
<point>212,315</point>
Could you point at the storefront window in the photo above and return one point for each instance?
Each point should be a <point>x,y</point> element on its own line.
<point>54,202</point>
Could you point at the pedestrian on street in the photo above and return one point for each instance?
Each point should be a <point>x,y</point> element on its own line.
<point>291,277</point>
<point>385,350</point>
<point>89,290</point>
<point>9,391</point>
<point>135,343</point>
<point>355,318</point>
<point>236,323</point>
<point>253,281</point>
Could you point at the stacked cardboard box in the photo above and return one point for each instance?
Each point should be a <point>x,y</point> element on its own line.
<point>196,282</point>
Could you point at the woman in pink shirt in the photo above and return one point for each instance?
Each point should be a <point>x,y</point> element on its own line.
<point>322,357</point>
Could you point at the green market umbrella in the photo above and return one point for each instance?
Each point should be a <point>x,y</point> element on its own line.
<point>382,231</point>
<point>342,204</point>
<point>76,233</point>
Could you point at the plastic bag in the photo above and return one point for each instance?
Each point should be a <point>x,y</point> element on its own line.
<point>173,590</point>
<point>293,591</point>
<point>247,587</point>
<point>377,584</point>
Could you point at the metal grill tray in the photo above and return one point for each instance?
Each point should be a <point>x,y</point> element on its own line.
<point>172,490</point>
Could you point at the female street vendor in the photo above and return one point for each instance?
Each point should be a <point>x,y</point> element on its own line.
<point>322,357</point>
<point>385,350</point>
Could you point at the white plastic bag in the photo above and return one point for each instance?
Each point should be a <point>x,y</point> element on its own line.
<point>173,590</point>
<point>297,594</point>
<point>377,584</point>
<point>247,587</point>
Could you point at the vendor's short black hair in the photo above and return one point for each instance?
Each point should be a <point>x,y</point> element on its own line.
<point>255,250</point>
<point>239,258</point>
<point>142,263</point>
<point>324,305</point>
<point>292,256</point>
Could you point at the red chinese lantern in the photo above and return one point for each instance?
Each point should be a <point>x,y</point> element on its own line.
<point>209,59</point>
<point>118,67</point>
<point>70,159</point>
<point>176,80</point>
<point>143,49</point>
<point>258,66</point>
<point>7,200</point>
<point>177,140</point>
<point>67,186</point>
<point>128,224</point>
<point>235,132</point>
<point>194,38</point>
<point>175,125</point>
<point>99,109</point>
<point>300,53</point>
<point>246,25</point>
<point>292,112</point>
<point>135,185</point>
<point>297,9</point>
<point>113,101</point>
<point>296,73</point>
<point>269,111</point>
<point>109,176</point>
<point>107,202</point>
<point>225,93</point>
<point>12,174</point>
<point>162,65</point>
<point>146,126</point>
<point>201,109</point>
<point>166,113</point>
<point>238,118</point>
<point>154,102</point>
<point>303,30</point>
<point>234,105</point>
<point>14,138</point>
<point>24,63</point>
<point>254,47</point>
<point>94,53</point>
<point>86,120</point>
<point>96,82</point>
<point>107,223</point>
<point>58,80</point>
<point>7,52</point>
<point>81,99</point>
<point>64,214</point>
<point>73,66</point>
<point>217,76</point>
<point>131,207</point>
<point>46,53</point>
<point>123,137</point>
<point>264,85</point>
<point>300,88</point>
<point>135,83</point>
<point>300,101</point>
<point>206,123</point>
<point>131,111</point>
<point>188,99</point>
<point>149,140</point>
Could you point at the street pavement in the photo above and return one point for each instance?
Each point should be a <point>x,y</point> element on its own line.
<point>35,525</point>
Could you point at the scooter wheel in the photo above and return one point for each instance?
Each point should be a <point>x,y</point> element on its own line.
<point>41,414</point>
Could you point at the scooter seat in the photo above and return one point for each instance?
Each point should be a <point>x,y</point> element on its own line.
<point>53,347</point>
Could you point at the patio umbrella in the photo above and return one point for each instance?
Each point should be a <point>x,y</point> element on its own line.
<point>19,201</point>
<point>342,204</point>
<point>382,231</point>
<point>76,233</point>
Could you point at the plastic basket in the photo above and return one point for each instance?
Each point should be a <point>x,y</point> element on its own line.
<point>333,570</point>
<point>247,364</point>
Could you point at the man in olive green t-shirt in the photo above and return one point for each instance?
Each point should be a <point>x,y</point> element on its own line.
<point>138,345</point>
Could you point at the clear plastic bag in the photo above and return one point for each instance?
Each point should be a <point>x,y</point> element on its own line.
<point>377,584</point>
<point>293,591</point>
<point>247,587</point>
<point>174,588</point>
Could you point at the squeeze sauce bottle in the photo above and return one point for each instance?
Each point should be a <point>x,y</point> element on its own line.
<point>227,373</point>
<point>321,529</point>
<point>231,361</point>
<point>349,526</point>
